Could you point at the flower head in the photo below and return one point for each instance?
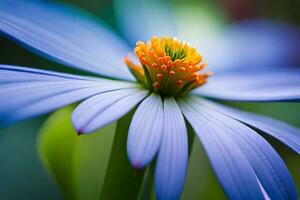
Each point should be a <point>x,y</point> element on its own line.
<point>245,164</point>
<point>168,66</point>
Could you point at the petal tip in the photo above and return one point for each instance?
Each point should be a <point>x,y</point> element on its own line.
<point>80,132</point>
<point>137,165</point>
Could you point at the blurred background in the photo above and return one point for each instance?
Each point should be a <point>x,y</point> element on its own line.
<point>22,175</point>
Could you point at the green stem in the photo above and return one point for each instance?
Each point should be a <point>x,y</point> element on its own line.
<point>191,136</point>
<point>147,190</point>
<point>121,180</point>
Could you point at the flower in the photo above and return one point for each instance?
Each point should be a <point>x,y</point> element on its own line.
<point>170,85</point>
<point>169,67</point>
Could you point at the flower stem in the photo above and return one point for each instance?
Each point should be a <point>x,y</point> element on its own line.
<point>122,181</point>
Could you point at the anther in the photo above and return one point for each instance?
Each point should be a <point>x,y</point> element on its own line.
<point>195,75</point>
<point>182,69</point>
<point>159,76</point>
<point>177,62</point>
<point>190,68</point>
<point>172,73</point>
<point>150,53</point>
<point>185,63</point>
<point>164,68</point>
<point>170,64</point>
<point>160,59</point>
<point>202,66</point>
<point>167,58</point>
<point>154,65</point>
<point>140,54</point>
<point>140,44</point>
<point>144,61</point>
<point>156,85</point>
<point>179,83</point>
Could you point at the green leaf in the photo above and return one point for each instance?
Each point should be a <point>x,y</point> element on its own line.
<point>191,136</point>
<point>147,191</point>
<point>121,181</point>
<point>90,164</point>
<point>56,145</point>
<point>77,163</point>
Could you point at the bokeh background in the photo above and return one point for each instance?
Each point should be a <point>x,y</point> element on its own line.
<point>22,175</point>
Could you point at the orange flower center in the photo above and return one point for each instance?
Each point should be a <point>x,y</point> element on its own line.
<point>168,66</point>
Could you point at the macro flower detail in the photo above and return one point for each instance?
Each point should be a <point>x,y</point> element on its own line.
<point>168,88</point>
<point>169,66</point>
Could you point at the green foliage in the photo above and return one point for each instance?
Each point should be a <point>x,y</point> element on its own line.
<point>92,166</point>
<point>121,181</point>
<point>56,144</point>
<point>77,163</point>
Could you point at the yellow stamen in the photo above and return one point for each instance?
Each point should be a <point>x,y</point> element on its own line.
<point>169,65</point>
<point>156,85</point>
<point>159,76</point>
<point>164,68</point>
<point>172,73</point>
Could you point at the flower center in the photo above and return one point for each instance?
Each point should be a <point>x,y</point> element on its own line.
<point>168,66</point>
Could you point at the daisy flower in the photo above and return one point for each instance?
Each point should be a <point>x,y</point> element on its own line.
<point>166,79</point>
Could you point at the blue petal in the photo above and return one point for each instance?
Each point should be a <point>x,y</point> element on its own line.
<point>173,154</point>
<point>145,131</point>
<point>266,196</point>
<point>13,74</point>
<point>229,163</point>
<point>141,19</point>
<point>244,44</point>
<point>270,84</point>
<point>26,92</point>
<point>252,43</point>
<point>105,108</point>
<point>282,131</point>
<point>267,164</point>
<point>83,42</point>
<point>261,43</point>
